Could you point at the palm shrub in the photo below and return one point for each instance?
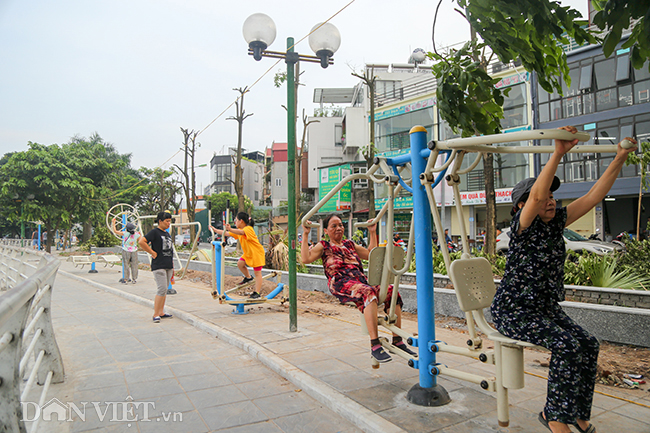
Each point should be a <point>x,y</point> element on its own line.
<point>603,271</point>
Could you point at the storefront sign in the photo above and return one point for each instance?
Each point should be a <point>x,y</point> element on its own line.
<point>478,197</point>
<point>329,178</point>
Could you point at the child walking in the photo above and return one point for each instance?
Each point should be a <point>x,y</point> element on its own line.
<point>253,251</point>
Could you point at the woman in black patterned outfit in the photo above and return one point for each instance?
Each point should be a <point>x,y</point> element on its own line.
<point>526,306</point>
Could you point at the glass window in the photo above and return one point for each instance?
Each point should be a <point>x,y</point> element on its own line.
<point>642,92</point>
<point>543,113</point>
<point>642,74</point>
<point>585,77</point>
<point>625,96</point>
<point>515,112</point>
<point>605,73</point>
<point>338,135</point>
<point>574,75</point>
<point>623,68</point>
<point>542,95</point>
<point>606,99</point>
<point>393,133</point>
<point>359,183</point>
<point>588,103</point>
<point>643,130</point>
<point>556,110</point>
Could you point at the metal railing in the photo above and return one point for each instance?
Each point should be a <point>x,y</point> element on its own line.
<point>28,350</point>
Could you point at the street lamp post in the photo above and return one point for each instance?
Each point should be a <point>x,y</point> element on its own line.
<point>259,32</point>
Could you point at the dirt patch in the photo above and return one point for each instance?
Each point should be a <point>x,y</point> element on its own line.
<point>614,361</point>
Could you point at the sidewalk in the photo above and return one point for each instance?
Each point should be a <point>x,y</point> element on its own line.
<point>327,359</point>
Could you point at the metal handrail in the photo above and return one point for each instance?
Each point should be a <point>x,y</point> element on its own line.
<point>28,347</point>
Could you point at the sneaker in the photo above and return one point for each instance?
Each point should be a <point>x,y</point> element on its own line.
<point>156,319</point>
<point>133,281</point>
<point>171,291</point>
<point>245,280</point>
<point>380,354</point>
<point>404,348</point>
<point>254,295</point>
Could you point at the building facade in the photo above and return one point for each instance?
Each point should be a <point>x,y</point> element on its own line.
<point>610,100</point>
<point>222,175</point>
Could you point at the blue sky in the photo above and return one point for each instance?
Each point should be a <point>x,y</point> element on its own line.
<point>136,71</point>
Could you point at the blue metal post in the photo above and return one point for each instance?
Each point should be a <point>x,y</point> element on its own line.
<point>92,265</point>
<point>39,237</point>
<point>428,393</point>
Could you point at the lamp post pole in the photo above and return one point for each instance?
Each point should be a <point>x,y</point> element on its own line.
<point>259,32</point>
<point>291,60</point>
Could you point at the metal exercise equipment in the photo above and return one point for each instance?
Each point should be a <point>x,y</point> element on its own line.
<point>125,213</point>
<point>218,272</point>
<point>472,277</point>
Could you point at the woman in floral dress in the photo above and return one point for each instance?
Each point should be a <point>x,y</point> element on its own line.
<point>347,281</point>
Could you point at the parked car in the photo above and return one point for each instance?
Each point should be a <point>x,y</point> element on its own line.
<point>572,240</point>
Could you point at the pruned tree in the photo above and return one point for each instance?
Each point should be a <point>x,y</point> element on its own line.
<point>188,174</point>
<point>370,79</point>
<point>240,116</point>
<point>301,154</point>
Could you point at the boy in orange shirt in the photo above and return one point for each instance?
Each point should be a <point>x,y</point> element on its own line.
<point>253,256</point>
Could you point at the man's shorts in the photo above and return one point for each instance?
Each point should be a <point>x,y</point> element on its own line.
<point>163,278</point>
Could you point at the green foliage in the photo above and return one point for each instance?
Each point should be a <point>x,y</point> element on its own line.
<point>219,203</point>
<point>357,237</point>
<point>279,78</point>
<point>529,31</point>
<point>636,257</point>
<point>156,190</point>
<point>467,97</point>
<point>615,16</point>
<point>102,237</point>
<point>574,272</point>
<point>330,111</point>
<point>643,159</point>
<point>67,182</point>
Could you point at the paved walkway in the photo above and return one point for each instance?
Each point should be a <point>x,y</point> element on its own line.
<point>255,376</point>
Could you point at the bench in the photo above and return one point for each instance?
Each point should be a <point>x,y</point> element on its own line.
<point>474,286</point>
<point>82,260</point>
<point>108,259</point>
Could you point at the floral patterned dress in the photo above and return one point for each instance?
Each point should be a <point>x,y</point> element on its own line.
<point>346,279</point>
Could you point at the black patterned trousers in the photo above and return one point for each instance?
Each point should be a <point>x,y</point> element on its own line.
<point>574,356</point>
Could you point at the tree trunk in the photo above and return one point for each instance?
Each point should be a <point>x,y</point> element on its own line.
<point>490,204</point>
<point>240,116</point>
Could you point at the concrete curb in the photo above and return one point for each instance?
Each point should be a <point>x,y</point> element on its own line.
<point>349,409</point>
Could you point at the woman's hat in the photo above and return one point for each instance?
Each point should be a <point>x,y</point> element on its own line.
<point>521,191</point>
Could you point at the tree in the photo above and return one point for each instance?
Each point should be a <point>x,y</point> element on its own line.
<point>188,174</point>
<point>157,190</point>
<point>218,203</point>
<point>301,155</point>
<point>525,31</point>
<point>120,163</point>
<point>65,181</point>
<point>240,116</point>
<point>370,79</point>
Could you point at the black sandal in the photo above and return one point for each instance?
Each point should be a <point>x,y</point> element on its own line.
<point>541,419</point>
<point>590,429</point>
